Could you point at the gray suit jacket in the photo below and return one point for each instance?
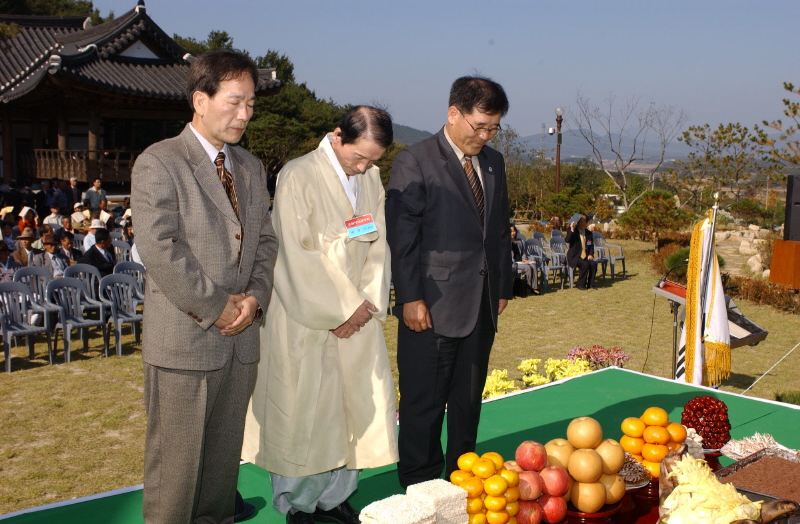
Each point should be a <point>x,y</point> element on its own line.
<point>188,237</point>
<point>440,252</point>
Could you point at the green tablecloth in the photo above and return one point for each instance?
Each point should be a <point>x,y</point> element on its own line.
<point>540,414</point>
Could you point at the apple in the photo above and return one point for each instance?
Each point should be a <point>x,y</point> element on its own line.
<point>555,481</point>
<point>612,454</point>
<point>558,451</point>
<point>584,433</point>
<point>531,456</point>
<point>530,485</point>
<point>588,497</point>
<point>512,465</point>
<point>554,508</point>
<point>585,465</point>
<point>530,512</point>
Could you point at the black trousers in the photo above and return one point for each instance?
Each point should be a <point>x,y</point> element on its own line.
<point>588,269</point>
<point>438,371</point>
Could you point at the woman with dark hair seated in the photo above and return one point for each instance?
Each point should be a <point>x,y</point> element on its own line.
<point>521,263</point>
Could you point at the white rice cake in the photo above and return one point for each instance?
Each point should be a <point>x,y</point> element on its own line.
<point>398,509</point>
<point>449,500</point>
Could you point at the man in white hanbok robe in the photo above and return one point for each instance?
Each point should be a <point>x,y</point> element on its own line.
<point>323,407</point>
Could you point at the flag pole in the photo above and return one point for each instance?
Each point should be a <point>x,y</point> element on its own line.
<point>707,264</point>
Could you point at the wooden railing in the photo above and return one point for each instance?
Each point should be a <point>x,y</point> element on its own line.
<point>112,165</point>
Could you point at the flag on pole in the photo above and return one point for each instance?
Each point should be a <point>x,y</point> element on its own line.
<point>705,338</point>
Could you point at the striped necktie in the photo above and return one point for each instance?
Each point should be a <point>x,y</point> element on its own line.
<point>227,182</point>
<point>475,185</point>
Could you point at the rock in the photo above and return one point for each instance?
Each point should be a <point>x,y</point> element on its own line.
<point>723,235</point>
<point>756,257</point>
<point>754,263</point>
<point>765,274</point>
<point>758,242</point>
<point>753,227</point>
<point>746,249</point>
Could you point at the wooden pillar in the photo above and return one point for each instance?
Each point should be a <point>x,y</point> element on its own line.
<point>94,132</point>
<point>8,158</point>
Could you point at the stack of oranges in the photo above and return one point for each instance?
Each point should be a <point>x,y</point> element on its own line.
<point>650,437</point>
<point>492,492</point>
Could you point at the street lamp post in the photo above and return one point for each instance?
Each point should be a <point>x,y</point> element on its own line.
<point>559,119</point>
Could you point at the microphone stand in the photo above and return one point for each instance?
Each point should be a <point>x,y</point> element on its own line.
<point>674,306</point>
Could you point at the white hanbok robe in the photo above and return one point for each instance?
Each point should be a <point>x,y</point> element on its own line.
<point>321,402</point>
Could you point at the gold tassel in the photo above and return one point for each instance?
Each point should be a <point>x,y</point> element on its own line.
<point>718,363</point>
<point>692,284</point>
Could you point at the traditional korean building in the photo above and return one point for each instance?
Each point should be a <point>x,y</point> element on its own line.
<point>83,101</point>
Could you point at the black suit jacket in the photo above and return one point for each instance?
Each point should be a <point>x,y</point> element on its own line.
<point>439,249</point>
<point>94,257</point>
<point>573,239</point>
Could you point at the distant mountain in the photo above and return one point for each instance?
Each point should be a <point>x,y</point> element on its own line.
<point>408,135</point>
<point>573,146</point>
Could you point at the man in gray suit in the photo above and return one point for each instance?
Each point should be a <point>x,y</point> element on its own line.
<point>205,286</point>
<point>447,226</point>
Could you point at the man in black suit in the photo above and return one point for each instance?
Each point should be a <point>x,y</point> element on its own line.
<point>100,255</point>
<point>581,252</point>
<point>67,240</point>
<point>447,222</point>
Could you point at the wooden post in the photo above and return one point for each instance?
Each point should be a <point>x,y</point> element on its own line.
<point>8,158</point>
<point>63,132</point>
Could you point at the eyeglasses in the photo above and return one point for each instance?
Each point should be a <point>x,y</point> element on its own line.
<point>491,131</point>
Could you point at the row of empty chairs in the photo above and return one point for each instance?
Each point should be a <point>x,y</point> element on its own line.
<point>115,299</point>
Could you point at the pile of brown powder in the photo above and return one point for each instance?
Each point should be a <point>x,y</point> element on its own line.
<point>770,475</point>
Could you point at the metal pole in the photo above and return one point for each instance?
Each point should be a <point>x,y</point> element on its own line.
<point>559,119</point>
<point>707,263</point>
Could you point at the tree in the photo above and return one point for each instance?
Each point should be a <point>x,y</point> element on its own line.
<point>54,8</point>
<point>787,149</point>
<point>618,137</point>
<point>654,213</point>
<point>216,40</point>
<point>726,157</point>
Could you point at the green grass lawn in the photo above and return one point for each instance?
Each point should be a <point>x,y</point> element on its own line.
<point>78,429</point>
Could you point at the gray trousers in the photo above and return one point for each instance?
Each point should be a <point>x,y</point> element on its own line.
<point>324,490</point>
<point>195,428</point>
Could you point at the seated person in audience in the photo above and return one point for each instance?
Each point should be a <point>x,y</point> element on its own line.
<point>51,259</point>
<point>89,239</point>
<point>8,266</point>
<point>581,252</point>
<point>107,218</point>
<point>101,254</point>
<point>78,217</point>
<point>28,218</point>
<point>43,230</point>
<point>25,253</point>
<point>66,227</point>
<point>54,218</point>
<point>8,236</point>
<point>87,209</point>
<point>521,262</point>
<point>66,249</point>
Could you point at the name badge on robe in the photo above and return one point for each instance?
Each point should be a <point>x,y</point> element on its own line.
<point>361,225</point>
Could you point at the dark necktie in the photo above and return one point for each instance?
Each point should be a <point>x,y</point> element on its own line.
<point>230,190</point>
<point>227,182</point>
<point>475,185</point>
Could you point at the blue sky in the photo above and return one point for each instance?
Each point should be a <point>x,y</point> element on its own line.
<point>720,61</point>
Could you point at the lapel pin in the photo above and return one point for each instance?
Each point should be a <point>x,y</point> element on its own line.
<point>490,169</point>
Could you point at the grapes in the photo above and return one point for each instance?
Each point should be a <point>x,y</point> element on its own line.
<point>709,417</point>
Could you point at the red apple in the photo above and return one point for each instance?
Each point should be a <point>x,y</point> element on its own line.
<point>512,465</point>
<point>531,456</point>
<point>554,508</point>
<point>530,512</point>
<point>530,485</point>
<point>555,481</point>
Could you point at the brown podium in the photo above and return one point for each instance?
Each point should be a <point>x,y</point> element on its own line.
<point>785,268</point>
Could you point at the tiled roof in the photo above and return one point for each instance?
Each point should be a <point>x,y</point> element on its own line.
<point>62,46</point>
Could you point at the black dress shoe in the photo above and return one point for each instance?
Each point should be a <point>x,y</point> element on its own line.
<point>299,518</point>
<point>341,514</point>
<point>243,510</point>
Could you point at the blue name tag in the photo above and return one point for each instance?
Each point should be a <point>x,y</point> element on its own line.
<point>360,226</point>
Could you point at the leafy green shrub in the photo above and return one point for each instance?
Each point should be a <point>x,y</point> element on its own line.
<point>683,239</point>
<point>789,397</point>
<point>658,259</point>
<point>748,210</point>
<point>653,215</point>
<point>679,258</point>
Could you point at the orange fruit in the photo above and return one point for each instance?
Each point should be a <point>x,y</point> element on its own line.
<point>512,508</point>
<point>633,427</point>
<point>655,416</point>
<point>495,486</point>
<point>477,518</point>
<point>656,435</point>
<point>497,517</point>
<point>637,458</point>
<point>632,445</point>
<point>672,446</point>
<point>653,467</point>
<point>474,505</point>
<point>466,461</point>
<point>512,520</point>
<point>483,468</point>
<point>495,503</point>
<point>474,486</point>
<point>512,477</point>
<point>677,432</point>
<point>512,494</point>
<point>496,458</point>
<point>458,476</point>
<point>654,452</point>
